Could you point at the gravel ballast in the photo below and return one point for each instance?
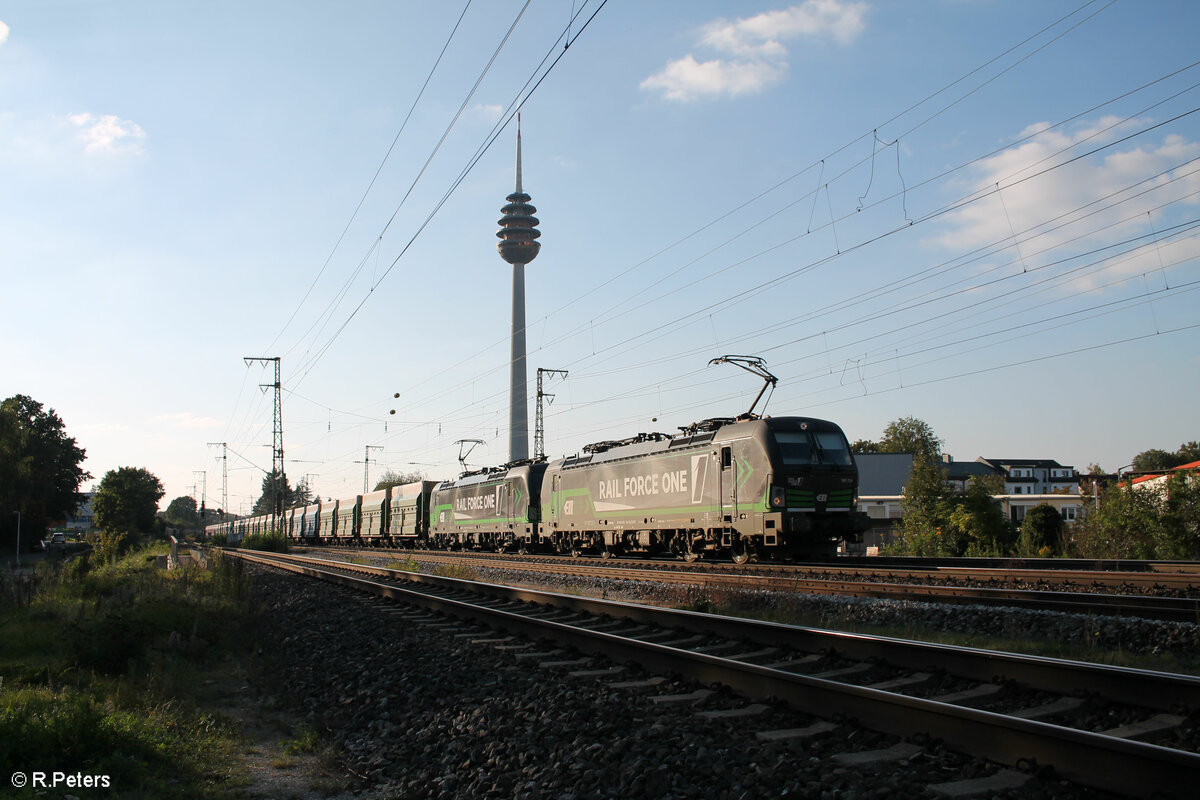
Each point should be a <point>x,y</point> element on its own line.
<point>412,710</point>
<point>1106,634</point>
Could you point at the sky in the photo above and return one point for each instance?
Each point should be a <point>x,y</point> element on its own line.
<point>983,214</point>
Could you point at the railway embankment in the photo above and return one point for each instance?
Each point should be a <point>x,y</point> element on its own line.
<point>419,705</point>
<point>1129,641</point>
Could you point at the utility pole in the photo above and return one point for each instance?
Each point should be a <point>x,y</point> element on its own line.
<point>224,474</point>
<point>367,464</point>
<point>277,440</point>
<point>203,492</point>
<point>539,430</point>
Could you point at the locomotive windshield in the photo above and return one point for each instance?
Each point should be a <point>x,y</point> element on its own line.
<point>807,448</point>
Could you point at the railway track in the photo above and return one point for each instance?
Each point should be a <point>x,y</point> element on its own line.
<point>1088,722</point>
<point>855,584</point>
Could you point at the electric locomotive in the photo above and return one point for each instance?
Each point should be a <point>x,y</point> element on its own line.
<point>492,509</point>
<point>766,486</point>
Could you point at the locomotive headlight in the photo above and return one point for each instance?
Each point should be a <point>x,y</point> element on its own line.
<point>778,497</point>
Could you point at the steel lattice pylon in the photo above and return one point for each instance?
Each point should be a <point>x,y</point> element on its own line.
<point>280,482</point>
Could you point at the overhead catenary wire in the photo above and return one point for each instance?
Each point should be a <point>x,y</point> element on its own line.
<point>1006,145</point>
<point>307,365</point>
<point>354,215</point>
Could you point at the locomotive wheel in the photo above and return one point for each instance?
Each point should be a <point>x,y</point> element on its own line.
<point>741,552</point>
<point>689,555</point>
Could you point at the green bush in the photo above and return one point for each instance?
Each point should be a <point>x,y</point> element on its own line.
<point>1154,522</point>
<point>114,545</point>
<point>98,671</point>
<point>939,521</point>
<point>268,542</point>
<point>1041,532</point>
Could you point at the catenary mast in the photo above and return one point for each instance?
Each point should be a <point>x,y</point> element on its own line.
<point>518,246</point>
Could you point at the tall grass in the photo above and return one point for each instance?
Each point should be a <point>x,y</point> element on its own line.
<point>268,542</point>
<point>99,669</point>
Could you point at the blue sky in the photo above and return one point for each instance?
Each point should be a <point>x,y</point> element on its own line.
<point>982,214</point>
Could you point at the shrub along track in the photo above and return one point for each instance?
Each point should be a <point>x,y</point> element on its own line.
<point>900,688</point>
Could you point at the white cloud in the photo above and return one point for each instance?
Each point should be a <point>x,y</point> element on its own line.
<point>756,45</point>
<point>688,79</point>
<point>107,134</point>
<point>759,36</point>
<point>1087,192</point>
<point>487,112</point>
<point>4,29</point>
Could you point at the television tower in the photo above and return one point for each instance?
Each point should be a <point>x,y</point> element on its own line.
<point>518,246</point>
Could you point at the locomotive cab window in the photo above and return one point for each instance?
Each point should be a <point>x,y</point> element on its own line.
<point>801,448</point>
<point>834,449</point>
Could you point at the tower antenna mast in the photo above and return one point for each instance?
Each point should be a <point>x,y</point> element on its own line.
<point>518,246</point>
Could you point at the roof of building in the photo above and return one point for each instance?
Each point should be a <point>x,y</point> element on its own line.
<point>882,474</point>
<point>1163,473</point>
<point>1034,463</point>
<point>962,470</point>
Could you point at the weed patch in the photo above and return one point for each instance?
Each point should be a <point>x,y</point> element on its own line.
<point>101,666</point>
<point>460,571</point>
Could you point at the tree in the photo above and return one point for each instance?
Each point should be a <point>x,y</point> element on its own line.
<point>127,500</point>
<point>925,523</point>
<point>910,435</point>
<point>391,478</point>
<point>40,468</point>
<point>939,521</point>
<point>1151,460</point>
<point>182,513</point>
<point>291,496</point>
<point>1154,459</point>
<point>977,520</point>
<point>303,495</point>
<point>1041,532</point>
<point>1181,518</point>
<point>864,446</point>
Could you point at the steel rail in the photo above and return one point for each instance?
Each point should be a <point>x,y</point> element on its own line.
<point>1094,759</point>
<point>1173,609</point>
<point>1151,575</point>
<point>1160,690</point>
